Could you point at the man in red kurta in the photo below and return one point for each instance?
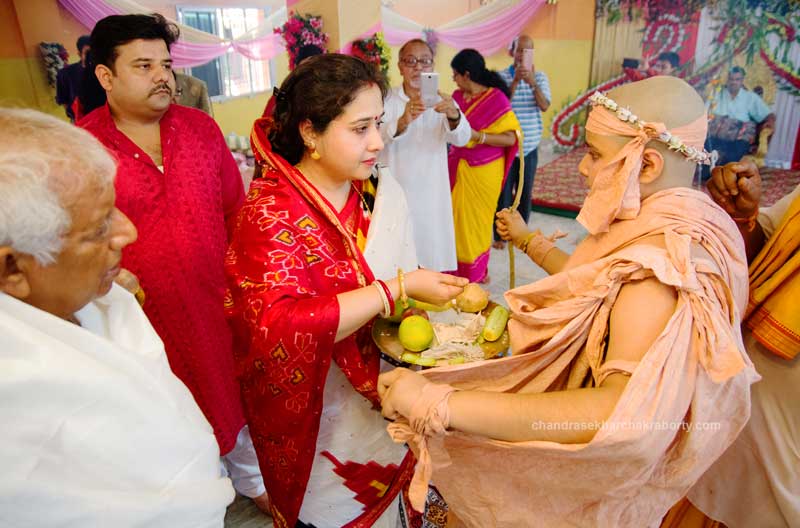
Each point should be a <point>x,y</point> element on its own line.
<point>179,184</point>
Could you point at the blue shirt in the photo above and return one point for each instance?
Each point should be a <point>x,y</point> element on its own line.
<point>746,106</point>
<point>523,102</point>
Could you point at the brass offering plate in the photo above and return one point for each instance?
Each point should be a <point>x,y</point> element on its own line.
<point>384,334</point>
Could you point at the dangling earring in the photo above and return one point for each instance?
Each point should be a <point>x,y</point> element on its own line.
<point>314,154</point>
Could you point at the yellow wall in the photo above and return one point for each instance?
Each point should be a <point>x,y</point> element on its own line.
<point>237,115</point>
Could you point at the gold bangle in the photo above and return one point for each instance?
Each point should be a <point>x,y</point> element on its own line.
<point>524,245</point>
<point>401,280</point>
<point>140,297</point>
<point>538,249</point>
<point>482,139</point>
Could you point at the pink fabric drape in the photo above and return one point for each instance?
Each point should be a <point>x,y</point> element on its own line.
<point>488,37</point>
<point>184,54</point>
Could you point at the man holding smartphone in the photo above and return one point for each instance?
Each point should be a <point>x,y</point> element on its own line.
<point>416,138</point>
<point>530,97</point>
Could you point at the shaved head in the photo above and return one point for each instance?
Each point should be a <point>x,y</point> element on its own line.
<point>661,99</point>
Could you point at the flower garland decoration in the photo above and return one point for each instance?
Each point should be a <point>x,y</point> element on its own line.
<point>373,50</point>
<point>569,116</point>
<point>673,142</point>
<point>55,57</point>
<point>745,28</point>
<point>301,30</point>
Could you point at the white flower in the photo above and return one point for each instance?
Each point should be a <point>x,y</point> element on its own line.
<point>674,142</point>
<point>623,113</point>
<point>612,105</point>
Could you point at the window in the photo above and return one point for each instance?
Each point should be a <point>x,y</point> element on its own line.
<point>231,74</point>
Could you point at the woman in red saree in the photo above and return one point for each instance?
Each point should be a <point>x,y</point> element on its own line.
<point>301,299</point>
<point>478,169</point>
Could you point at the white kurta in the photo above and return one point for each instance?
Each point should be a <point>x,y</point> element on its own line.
<point>97,430</point>
<point>756,482</point>
<point>417,159</point>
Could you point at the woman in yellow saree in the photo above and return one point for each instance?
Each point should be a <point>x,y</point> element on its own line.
<point>478,170</point>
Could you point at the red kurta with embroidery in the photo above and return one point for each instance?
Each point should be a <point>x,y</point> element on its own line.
<point>181,216</point>
<point>291,254</point>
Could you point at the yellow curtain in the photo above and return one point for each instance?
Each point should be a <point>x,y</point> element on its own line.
<point>612,44</point>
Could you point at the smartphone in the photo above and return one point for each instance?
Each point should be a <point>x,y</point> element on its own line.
<point>429,84</point>
<point>527,59</point>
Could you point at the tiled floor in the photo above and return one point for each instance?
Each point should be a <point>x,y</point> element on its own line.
<point>244,514</point>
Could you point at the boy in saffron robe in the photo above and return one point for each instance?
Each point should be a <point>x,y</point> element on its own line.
<point>628,377</point>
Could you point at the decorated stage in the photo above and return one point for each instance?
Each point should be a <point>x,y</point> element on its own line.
<point>559,189</point>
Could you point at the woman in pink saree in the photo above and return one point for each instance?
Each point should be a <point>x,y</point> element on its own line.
<point>478,169</point>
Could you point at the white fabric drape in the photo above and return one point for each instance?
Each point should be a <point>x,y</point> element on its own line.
<point>705,37</point>
<point>787,114</point>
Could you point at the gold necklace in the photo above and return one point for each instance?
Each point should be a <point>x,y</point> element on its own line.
<point>363,201</point>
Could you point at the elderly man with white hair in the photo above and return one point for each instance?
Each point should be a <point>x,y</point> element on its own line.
<point>97,431</point>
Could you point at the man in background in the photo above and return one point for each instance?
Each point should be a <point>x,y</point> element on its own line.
<point>735,113</point>
<point>69,78</point>
<point>192,92</point>
<point>179,184</point>
<point>416,139</point>
<point>530,97</point>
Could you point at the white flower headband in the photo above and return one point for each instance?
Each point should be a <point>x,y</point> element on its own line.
<point>673,142</point>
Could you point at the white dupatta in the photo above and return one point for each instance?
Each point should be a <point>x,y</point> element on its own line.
<point>390,241</point>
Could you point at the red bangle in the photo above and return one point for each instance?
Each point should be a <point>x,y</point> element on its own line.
<point>389,297</point>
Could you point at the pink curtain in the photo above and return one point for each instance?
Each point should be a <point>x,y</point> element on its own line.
<point>487,37</point>
<point>185,54</point>
<point>495,34</point>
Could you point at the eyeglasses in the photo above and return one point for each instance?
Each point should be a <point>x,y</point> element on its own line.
<point>413,61</point>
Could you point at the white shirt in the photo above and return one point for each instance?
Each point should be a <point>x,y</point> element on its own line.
<point>417,159</point>
<point>97,430</point>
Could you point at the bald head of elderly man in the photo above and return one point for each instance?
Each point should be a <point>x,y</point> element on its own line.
<point>92,413</point>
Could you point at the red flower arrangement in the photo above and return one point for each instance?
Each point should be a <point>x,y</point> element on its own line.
<point>373,51</point>
<point>299,31</point>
